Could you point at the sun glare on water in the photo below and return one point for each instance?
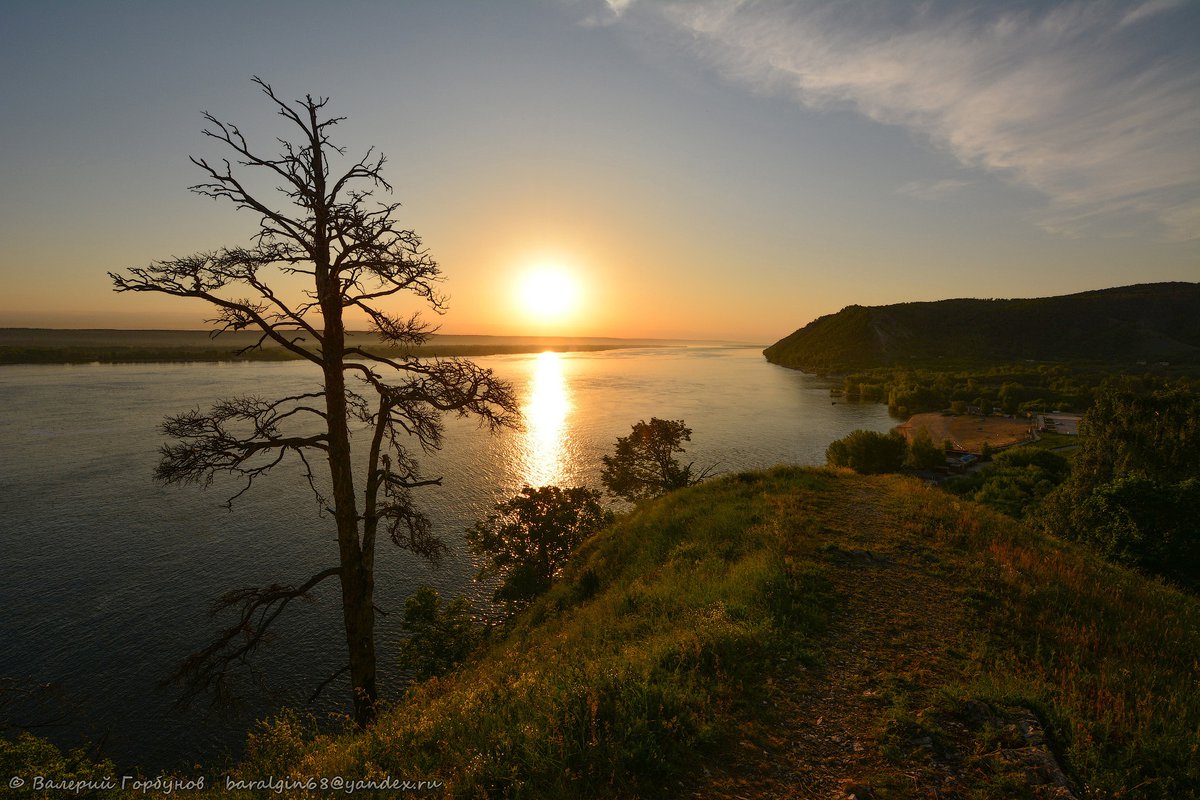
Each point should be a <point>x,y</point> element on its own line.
<point>546,447</point>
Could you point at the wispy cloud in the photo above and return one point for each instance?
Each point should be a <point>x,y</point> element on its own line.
<point>932,190</point>
<point>609,13</point>
<point>1148,9</point>
<point>1074,100</point>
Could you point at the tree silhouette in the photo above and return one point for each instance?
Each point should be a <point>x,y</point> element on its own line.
<point>643,464</point>
<point>527,540</point>
<point>350,254</point>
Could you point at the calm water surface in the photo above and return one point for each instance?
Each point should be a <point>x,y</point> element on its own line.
<point>106,578</point>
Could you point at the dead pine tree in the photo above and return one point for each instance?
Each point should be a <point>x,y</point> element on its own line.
<point>350,253</point>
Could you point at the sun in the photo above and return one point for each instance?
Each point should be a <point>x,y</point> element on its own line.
<point>548,294</point>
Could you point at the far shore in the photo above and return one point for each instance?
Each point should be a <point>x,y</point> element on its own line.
<point>83,346</point>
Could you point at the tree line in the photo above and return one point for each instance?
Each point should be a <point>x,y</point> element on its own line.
<point>1131,491</point>
<point>1007,389</point>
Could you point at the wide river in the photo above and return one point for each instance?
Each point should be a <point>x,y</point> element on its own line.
<point>106,578</point>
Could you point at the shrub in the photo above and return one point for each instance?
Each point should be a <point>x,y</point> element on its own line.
<point>868,452</point>
<point>1133,492</point>
<point>923,453</point>
<point>440,636</point>
<point>528,539</point>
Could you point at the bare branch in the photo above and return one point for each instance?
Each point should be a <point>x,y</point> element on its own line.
<point>258,607</point>
<point>411,332</point>
<point>240,437</point>
<point>202,275</point>
<point>321,686</point>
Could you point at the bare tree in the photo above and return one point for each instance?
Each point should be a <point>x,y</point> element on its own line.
<point>354,255</point>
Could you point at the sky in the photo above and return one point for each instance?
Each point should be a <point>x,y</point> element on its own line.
<point>696,169</point>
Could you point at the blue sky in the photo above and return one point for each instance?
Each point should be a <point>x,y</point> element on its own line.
<point>705,169</point>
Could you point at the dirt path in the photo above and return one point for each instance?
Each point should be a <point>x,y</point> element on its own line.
<point>873,721</point>
<point>887,637</point>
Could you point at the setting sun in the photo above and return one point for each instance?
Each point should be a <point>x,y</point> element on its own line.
<point>548,294</point>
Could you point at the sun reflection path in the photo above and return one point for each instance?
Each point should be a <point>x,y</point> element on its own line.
<point>545,410</point>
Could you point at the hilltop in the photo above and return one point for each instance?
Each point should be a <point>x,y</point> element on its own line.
<point>1148,323</point>
<point>804,633</point>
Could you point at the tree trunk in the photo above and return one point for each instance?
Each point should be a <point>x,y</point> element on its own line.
<point>358,583</point>
<point>358,611</point>
<point>358,580</point>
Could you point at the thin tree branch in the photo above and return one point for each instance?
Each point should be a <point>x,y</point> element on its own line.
<point>258,608</point>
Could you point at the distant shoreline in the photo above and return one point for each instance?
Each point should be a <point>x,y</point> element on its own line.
<point>113,346</point>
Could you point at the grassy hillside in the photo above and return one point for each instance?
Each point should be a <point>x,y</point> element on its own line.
<point>1149,322</point>
<point>805,629</point>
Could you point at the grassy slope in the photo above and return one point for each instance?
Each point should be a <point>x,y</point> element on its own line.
<point>734,619</point>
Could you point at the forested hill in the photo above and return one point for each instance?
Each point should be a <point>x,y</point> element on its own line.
<point>1149,322</point>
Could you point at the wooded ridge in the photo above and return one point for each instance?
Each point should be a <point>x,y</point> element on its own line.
<point>1149,323</point>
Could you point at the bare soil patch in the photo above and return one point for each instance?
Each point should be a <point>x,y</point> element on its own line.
<point>969,432</point>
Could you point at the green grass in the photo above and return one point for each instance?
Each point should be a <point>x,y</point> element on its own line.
<point>621,692</point>
<point>617,693</point>
<point>1106,657</point>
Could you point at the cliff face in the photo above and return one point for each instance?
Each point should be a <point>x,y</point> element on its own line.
<point>1148,322</point>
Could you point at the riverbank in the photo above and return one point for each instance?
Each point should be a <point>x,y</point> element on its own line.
<point>85,346</point>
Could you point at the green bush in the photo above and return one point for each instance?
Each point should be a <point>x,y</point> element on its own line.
<point>923,453</point>
<point>528,539</point>
<point>1147,524</point>
<point>868,452</point>
<point>440,635</point>
<point>28,755</point>
<point>1016,483</point>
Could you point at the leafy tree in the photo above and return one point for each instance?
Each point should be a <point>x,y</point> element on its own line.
<point>643,464</point>
<point>528,539</point>
<point>1134,490</point>
<point>923,453</point>
<point>440,635</point>
<point>349,253</point>
<point>1053,465</point>
<point>1018,480</point>
<point>868,452</point>
<point>1146,523</point>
